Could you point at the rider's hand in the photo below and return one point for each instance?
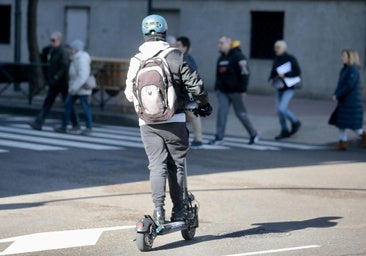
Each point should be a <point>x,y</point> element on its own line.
<point>203,110</point>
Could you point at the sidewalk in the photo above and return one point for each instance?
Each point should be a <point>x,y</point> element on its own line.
<point>313,114</point>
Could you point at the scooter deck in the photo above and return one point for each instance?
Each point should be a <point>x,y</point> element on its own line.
<point>170,227</point>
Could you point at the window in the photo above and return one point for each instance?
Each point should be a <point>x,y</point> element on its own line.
<point>267,28</point>
<point>5,24</point>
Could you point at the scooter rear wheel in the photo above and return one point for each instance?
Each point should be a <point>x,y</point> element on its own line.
<point>189,233</point>
<point>144,241</point>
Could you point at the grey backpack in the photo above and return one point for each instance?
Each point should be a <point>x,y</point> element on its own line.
<point>153,88</point>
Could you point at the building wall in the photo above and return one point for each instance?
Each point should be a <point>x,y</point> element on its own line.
<point>316,32</point>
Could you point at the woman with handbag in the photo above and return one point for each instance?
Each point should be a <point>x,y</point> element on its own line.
<point>348,95</point>
<point>79,86</point>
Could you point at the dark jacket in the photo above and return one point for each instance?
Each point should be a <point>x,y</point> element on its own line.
<point>190,60</point>
<point>186,80</point>
<point>232,72</point>
<point>349,112</point>
<point>58,69</point>
<point>282,59</point>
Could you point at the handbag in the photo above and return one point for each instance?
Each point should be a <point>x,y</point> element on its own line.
<point>90,83</point>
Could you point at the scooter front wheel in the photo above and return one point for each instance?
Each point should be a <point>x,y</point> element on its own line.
<point>189,233</point>
<point>144,241</point>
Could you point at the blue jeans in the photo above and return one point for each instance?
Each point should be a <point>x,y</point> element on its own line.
<point>283,100</point>
<point>69,106</point>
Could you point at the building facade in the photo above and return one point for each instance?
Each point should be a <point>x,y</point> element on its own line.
<point>316,32</point>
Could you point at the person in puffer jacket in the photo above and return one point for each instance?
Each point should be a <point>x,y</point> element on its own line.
<point>166,143</point>
<point>348,96</point>
<point>79,72</point>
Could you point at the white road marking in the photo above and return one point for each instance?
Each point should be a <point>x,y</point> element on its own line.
<point>130,137</point>
<point>275,144</point>
<point>26,145</point>
<point>93,138</point>
<point>276,251</point>
<point>58,142</point>
<point>56,240</point>
<point>3,150</point>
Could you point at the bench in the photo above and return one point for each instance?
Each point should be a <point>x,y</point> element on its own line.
<point>110,74</point>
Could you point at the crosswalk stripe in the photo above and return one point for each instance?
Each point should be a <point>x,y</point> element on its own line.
<point>59,142</point>
<point>3,150</point>
<point>229,140</point>
<point>26,145</point>
<point>95,137</point>
<point>240,143</point>
<point>122,136</point>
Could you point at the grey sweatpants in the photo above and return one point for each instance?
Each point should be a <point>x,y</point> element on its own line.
<point>166,146</point>
<point>225,100</point>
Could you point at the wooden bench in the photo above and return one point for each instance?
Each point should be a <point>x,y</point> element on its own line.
<point>110,74</point>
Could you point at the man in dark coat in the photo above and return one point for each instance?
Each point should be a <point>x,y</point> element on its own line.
<point>232,75</point>
<point>57,78</point>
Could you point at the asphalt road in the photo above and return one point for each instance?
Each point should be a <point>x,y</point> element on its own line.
<point>79,201</point>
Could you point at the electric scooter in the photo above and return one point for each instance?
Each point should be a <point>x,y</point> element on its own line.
<point>147,229</point>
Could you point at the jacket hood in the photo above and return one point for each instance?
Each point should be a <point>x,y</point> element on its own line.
<point>150,49</point>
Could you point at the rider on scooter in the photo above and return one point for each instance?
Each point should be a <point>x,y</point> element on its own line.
<point>167,143</point>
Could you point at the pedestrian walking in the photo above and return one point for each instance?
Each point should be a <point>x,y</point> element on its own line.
<point>232,76</point>
<point>162,120</point>
<point>284,66</point>
<point>184,44</point>
<point>348,95</point>
<point>78,89</point>
<point>57,79</point>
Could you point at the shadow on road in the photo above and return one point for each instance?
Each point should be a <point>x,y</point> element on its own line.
<point>31,172</point>
<point>15,206</point>
<point>260,229</point>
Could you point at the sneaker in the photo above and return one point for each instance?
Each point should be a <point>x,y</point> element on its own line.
<point>87,131</point>
<point>295,127</point>
<point>159,215</point>
<point>283,135</point>
<point>60,129</point>
<point>254,139</point>
<point>35,126</point>
<point>75,129</point>
<point>196,144</point>
<point>216,142</point>
<point>179,215</point>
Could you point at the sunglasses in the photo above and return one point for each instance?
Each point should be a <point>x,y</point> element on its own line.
<point>53,40</point>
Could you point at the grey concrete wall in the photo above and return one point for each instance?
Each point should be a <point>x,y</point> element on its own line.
<point>316,32</point>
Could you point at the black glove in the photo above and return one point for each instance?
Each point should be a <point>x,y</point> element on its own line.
<point>203,110</point>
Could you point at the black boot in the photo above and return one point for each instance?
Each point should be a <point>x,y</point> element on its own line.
<point>295,127</point>
<point>179,214</point>
<point>159,215</point>
<point>35,126</point>
<point>284,134</point>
